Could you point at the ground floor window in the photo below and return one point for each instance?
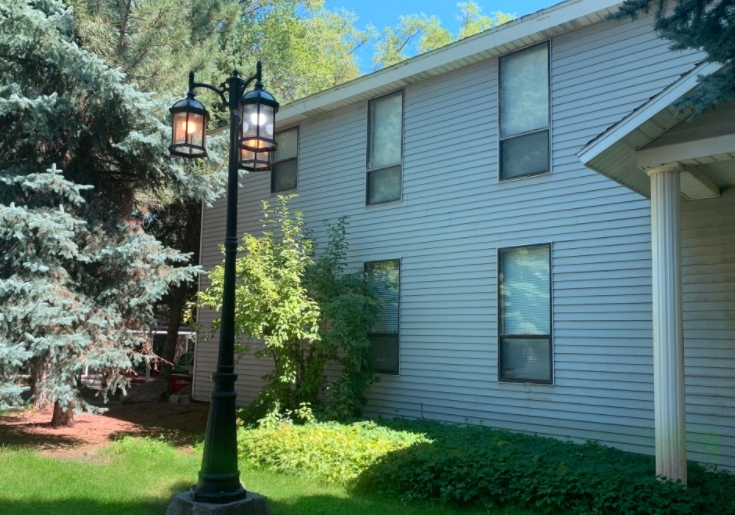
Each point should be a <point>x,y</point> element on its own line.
<point>384,335</point>
<point>524,315</point>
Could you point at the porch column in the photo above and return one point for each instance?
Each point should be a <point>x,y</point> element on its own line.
<point>668,328</point>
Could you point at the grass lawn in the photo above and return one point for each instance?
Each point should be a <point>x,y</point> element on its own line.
<point>137,476</point>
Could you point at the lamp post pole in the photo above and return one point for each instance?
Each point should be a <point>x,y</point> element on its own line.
<point>219,477</point>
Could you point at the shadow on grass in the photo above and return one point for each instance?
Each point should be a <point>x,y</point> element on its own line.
<point>87,506</point>
<point>81,506</point>
<point>360,504</point>
<point>20,436</point>
<point>182,425</point>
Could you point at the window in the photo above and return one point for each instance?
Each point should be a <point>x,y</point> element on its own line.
<point>383,335</point>
<point>285,161</point>
<point>385,149</point>
<point>524,113</point>
<point>524,312</point>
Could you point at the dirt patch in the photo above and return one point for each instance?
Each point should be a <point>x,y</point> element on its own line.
<point>180,424</point>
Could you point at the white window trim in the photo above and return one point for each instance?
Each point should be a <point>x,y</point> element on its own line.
<point>298,151</point>
<point>400,325</point>
<point>552,354</point>
<point>499,138</point>
<point>367,148</point>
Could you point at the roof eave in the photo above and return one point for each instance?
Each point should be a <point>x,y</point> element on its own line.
<point>553,21</point>
<point>646,111</point>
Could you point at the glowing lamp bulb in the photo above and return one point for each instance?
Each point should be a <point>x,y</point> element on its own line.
<point>258,118</point>
<point>190,127</point>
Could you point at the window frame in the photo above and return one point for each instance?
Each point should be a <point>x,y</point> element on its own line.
<point>501,139</point>
<point>296,158</point>
<point>400,280</point>
<point>549,336</point>
<point>368,170</point>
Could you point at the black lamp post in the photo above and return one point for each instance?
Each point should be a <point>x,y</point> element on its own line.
<point>251,143</point>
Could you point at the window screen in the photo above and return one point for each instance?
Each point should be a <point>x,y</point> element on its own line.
<point>285,161</point>
<point>385,142</point>
<point>524,113</point>
<point>525,314</point>
<point>386,275</point>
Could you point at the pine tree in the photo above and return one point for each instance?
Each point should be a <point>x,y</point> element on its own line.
<point>74,296</point>
<point>78,277</point>
<point>700,25</point>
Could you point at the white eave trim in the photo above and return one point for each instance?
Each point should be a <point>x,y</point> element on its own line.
<point>401,73</point>
<point>645,112</point>
<point>694,149</point>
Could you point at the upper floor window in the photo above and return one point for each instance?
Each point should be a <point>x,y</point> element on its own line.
<point>284,176</point>
<point>524,113</point>
<point>385,148</point>
<point>383,336</point>
<point>524,304</point>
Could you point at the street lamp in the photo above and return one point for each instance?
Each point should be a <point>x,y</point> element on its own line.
<point>251,143</point>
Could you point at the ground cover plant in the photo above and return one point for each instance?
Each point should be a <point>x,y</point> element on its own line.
<point>329,451</point>
<point>481,467</point>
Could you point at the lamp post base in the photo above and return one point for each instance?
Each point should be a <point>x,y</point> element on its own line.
<point>184,504</point>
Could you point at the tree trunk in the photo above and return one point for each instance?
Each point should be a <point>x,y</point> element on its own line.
<point>40,371</point>
<point>63,418</point>
<point>176,305</point>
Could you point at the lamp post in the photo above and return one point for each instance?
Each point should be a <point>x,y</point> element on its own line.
<point>252,139</point>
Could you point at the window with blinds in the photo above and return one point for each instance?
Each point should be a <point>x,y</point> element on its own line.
<point>524,315</point>
<point>383,336</point>
<point>524,113</point>
<point>385,149</point>
<point>284,176</point>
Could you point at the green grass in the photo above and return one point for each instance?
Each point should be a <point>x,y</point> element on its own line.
<point>137,476</point>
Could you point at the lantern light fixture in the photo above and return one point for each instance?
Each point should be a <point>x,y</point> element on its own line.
<point>255,161</point>
<point>258,110</point>
<point>189,119</point>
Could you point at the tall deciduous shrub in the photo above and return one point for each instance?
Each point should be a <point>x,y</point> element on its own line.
<point>306,314</point>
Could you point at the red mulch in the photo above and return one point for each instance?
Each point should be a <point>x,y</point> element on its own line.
<point>180,424</point>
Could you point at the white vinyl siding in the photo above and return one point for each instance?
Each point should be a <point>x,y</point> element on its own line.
<point>708,277</point>
<point>453,217</point>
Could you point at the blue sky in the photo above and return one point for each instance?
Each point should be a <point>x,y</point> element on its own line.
<point>386,12</point>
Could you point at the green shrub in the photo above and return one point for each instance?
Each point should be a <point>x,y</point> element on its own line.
<point>476,465</point>
<point>330,451</point>
<point>303,312</point>
<point>419,460</point>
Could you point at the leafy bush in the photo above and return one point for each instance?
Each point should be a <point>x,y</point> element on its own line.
<point>333,452</point>
<point>476,465</point>
<point>306,314</point>
<point>420,460</point>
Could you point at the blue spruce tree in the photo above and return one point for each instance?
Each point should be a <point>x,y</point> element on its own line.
<point>79,148</point>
